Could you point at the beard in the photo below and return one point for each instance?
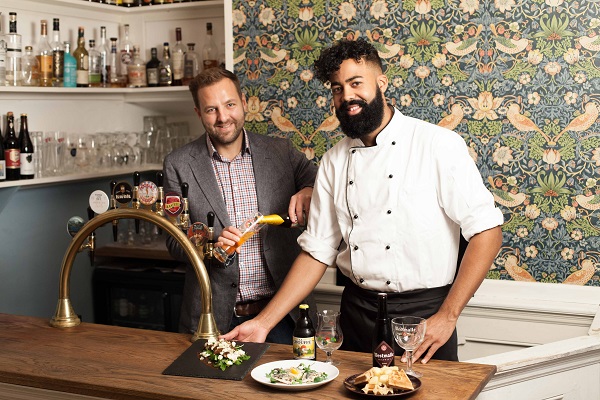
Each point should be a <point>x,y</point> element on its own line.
<point>364,123</point>
<point>224,138</point>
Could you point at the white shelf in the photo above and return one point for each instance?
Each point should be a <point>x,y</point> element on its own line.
<point>80,177</point>
<point>89,5</point>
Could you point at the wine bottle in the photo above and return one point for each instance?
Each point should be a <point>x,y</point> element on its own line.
<point>26,150</point>
<point>303,337</point>
<point>82,58</point>
<point>177,57</point>
<point>11,150</point>
<point>383,338</point>
<point>209,50</point>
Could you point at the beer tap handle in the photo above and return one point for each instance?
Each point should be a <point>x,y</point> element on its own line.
<point>185,214</point>
<point>136,199</point>
<point>92,238</point>
<point>113,206</point>
<point>160,202</point>
<point>210,222</point>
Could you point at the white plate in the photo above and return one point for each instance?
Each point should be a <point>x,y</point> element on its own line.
<point>259,373</point>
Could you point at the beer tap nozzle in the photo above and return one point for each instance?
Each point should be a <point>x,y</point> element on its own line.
<point>113,206</point>
<point>136,200</point>
<point>92,237</point>
<point>185,214</point>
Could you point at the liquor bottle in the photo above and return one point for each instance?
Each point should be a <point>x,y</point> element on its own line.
<point>152,67</point>
<point>13,52</point>
<point>82,57</point>
<point>69,67</point>
<point>383,338</point>
<point>2,69</point>
<point>280,220</point>
<point>165,74</point>
<point>136,70</point>
<point>191,64</point>
<point>43,53</point>
<point>303,337</point>
<point>113,68</point>
<point>95,65</point>
<point>177,56</point>
<point>26,151</point>
<point>209,51</point>
<point>30,68</point>
<point>58,55</point>
<point>2,161</point>
<point>126,53</point>
<point>11,150</point>
<point>104,54</point>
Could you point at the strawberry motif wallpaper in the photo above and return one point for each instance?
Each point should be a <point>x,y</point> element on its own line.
<point>518,80</point>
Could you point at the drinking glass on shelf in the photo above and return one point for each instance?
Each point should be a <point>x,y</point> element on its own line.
<point>249,227</point>
<point>409,333</point>
<point>37,138</point>
<point>329,336</point>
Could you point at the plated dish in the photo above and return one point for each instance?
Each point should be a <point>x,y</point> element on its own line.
<point>349,384</point>
<point>261,374</point>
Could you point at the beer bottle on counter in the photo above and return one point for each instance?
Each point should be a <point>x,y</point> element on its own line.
<point>303,337</point>
<point>26,152</point>
<point>383,338</point>
<point>11,150</point>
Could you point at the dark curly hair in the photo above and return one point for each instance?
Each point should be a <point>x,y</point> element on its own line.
<point>331,58</point>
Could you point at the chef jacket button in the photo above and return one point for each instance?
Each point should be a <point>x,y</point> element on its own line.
<point>390,176</point>
<point>387,247</point>
<point>394,143</point>
<point>355,247</point>
<point>234,285</point>
<point>355,216</point>
<point>361,280</point>
<point>351,182</point>
<point>388,282</point>
<point>353,151</point>
<point>389,211</point>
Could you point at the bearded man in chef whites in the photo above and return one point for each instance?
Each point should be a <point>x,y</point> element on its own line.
<point>388,208</point>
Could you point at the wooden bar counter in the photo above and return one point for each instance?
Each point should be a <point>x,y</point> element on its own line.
<point>122,363</point>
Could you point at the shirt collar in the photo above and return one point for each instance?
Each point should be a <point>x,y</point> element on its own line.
<point>215,154</point>
<point>387,132</point>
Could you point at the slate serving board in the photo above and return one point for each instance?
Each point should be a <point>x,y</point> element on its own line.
<point>188,363</point>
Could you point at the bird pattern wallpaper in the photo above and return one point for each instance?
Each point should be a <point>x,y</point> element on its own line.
<point>519,80</point>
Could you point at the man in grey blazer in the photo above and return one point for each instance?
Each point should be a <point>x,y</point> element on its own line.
<point>235,173</point>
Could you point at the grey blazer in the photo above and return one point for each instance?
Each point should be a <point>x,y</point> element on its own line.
<point>280,172</point>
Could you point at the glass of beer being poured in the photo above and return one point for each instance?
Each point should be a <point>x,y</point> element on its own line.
<point>249,227</point>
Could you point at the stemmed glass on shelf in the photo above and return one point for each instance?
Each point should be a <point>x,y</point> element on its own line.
<point>409,333</point>
<point>329,336</point>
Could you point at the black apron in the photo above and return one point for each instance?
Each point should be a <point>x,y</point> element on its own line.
<point>359,312</point>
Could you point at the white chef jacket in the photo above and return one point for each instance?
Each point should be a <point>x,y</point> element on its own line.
<point>398,207</point>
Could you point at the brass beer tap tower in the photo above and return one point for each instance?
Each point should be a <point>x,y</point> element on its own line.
<point>65,316</point>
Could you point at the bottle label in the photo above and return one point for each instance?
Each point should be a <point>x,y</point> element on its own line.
<point>177,66</point>
<point>83,77</point>
<point>27,167</point>
<point>152,74</point>
<point>126,57</point>
<point>45,66</point>
<point>383,354</point>
<point>188,69</point>
<point>210,64</point>
<point>304,348</point>
<point>58,62</point>
<point>13,159</point>
<point>137,76</point>
<point>2,170</point>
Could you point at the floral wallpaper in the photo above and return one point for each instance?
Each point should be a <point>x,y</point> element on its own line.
<point>518,80</point>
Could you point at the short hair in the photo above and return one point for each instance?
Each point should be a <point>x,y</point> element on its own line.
<point>331,58</point>
<point>209,77</point>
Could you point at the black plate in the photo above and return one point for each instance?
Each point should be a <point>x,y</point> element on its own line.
<point>349,384</point>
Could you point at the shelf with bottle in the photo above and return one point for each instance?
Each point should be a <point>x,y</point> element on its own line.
<point>105,7</point>
<point>80,176</point>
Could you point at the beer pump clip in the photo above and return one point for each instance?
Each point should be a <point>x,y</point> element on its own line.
<point>147,196</point>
